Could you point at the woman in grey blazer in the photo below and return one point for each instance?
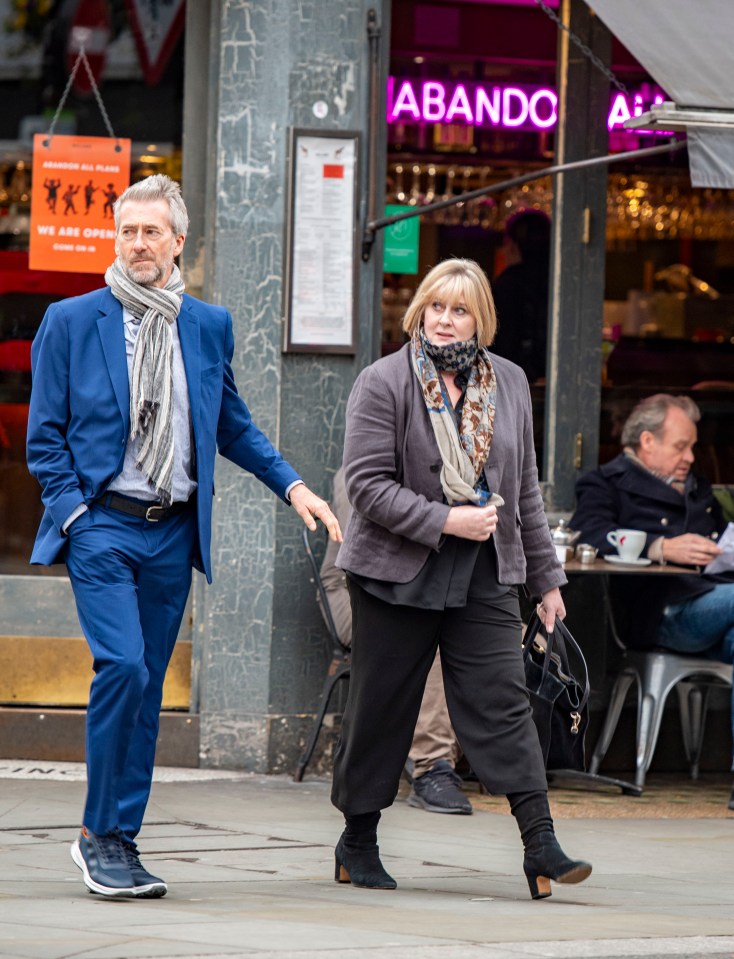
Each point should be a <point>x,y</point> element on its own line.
<point>447,521</point>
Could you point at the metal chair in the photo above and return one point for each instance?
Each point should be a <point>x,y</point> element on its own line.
<point>339,667</point>
<point>656,672</point>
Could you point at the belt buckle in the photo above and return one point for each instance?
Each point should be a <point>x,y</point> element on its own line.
<point>153,518</point>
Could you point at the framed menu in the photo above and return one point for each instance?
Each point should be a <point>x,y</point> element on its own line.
<point>320,308</point>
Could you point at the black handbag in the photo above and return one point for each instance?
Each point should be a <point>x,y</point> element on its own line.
<point>559,700</point>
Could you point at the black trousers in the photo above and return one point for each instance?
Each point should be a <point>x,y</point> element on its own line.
<point>392,651</point>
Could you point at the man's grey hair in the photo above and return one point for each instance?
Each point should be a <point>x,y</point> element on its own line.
<point>152,188</point>
<point>649,416</point>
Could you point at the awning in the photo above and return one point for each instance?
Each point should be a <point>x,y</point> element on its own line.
<point>687,46</point>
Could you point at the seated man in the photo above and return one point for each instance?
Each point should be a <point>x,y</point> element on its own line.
<point>435,750</point>
<point>650,487</point>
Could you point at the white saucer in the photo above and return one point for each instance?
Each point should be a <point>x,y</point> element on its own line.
<point>628,562</point>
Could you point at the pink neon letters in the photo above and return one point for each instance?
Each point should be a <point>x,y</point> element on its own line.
<point>501,105</point>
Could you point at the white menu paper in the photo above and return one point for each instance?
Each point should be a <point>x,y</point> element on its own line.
<point>724,562</point>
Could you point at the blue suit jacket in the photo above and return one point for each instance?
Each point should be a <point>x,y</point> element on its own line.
<point>79,418</point>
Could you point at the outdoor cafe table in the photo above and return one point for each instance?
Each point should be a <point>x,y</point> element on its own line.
<point>602,566</point>
<point>603,569</point>
<point>599,571</point>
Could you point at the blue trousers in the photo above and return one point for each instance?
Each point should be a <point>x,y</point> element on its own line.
<point>131,579</point>
<point>704,626</point>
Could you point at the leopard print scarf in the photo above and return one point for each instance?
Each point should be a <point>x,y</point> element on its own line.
<point>464,451</point>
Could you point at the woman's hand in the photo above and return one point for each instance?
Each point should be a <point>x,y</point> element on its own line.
<point>550,606</point>
<point>471,522</point>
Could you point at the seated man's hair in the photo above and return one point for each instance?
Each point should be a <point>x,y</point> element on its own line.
<point>649,416</point>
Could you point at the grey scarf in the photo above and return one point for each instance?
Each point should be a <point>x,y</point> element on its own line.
<point>151,380</point>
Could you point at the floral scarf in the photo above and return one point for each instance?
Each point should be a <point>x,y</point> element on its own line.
<point>464,451</point>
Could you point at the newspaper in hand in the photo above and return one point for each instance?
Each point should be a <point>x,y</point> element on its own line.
<point>724,562</point>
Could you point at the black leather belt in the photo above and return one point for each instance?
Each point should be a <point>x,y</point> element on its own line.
<point>153,512</point>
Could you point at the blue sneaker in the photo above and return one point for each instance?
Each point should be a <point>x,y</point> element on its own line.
<point>147,886</point>
<point>104,864</point>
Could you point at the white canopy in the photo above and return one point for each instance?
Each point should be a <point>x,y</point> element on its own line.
<point>687,46</point>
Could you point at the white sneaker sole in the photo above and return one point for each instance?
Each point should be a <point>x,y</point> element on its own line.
<point>110,891</point>
<point>154,890</point>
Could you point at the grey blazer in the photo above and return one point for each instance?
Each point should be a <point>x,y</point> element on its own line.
<point>392,465</point>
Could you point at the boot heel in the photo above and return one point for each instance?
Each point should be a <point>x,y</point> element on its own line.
<point>340,873</point>
<point>540,887</point>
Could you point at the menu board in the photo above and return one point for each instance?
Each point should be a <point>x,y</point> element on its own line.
<point>320,287</point>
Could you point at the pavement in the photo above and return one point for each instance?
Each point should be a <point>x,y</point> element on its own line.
<point>250,866</point>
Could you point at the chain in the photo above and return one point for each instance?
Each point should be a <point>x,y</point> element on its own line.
<point>586,50</point>
<point>81,58</point>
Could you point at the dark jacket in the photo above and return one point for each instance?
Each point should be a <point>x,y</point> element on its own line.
<point>392,470</point>
<point>521,299</point>
<point>622,495</point>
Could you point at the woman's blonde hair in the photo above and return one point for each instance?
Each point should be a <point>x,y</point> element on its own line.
<point>450,282</point>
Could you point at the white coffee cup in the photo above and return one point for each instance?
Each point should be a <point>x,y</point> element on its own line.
<point>629,543</point>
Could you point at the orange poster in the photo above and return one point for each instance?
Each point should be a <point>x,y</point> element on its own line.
<point>76,180</point>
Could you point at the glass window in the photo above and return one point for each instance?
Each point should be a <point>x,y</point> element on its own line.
<point>34,69</point>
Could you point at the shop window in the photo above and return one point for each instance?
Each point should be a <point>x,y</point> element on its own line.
<point>475,104</point>
<point>25,296</point>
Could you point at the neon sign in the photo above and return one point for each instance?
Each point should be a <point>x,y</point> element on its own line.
<point>503,106</point>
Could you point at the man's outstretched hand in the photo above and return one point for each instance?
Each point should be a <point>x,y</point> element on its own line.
<point>308,505</point>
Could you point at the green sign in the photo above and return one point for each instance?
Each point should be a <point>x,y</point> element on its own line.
<point>401,243</point>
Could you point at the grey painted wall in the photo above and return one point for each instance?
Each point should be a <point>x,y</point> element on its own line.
<point>254,70</point>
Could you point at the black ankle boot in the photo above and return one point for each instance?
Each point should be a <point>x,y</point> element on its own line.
<point>357,855</point>
<point>544,858</point>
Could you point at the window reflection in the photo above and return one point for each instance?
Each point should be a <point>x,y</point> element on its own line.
<point>24,298</point>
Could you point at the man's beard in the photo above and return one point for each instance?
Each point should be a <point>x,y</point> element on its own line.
<point>144,272</point>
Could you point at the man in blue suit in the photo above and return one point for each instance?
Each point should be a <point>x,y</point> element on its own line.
<point>133,393</point>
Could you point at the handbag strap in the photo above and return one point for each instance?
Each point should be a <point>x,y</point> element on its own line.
<point>563,636</point>
<point>557,641</point>
<point>534,627</point>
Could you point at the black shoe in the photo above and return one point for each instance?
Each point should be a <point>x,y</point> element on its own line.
<point>730,804</point>
<point>361,867</point>
<point>147,886</point>
<point>438,791</point>
<point>545,860</point>
<point>103,863</point>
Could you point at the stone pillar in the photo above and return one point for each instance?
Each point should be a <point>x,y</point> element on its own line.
<point>252,71</point>
<point>578,252</point>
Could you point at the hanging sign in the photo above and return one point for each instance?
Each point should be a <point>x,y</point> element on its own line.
<point>76,181</point>
<point>401,242</point>
<point>156,27</point>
